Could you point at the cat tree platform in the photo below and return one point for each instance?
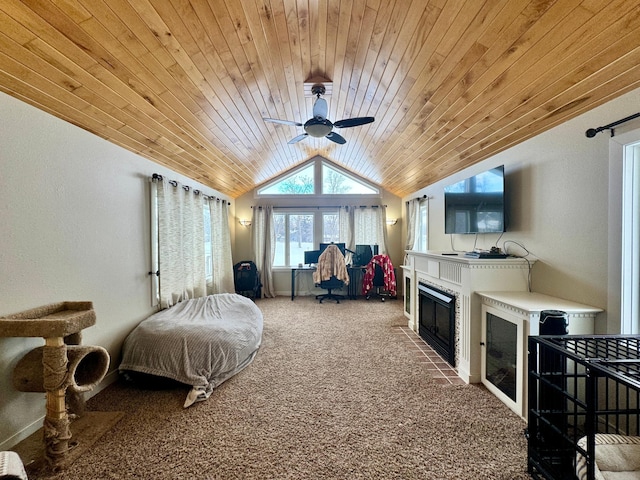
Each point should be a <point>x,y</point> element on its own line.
<point>56,320</point>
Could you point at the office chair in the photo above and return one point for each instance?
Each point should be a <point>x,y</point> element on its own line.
<point>379,278</point>
<point>331,273</point>
<point>332,284</point>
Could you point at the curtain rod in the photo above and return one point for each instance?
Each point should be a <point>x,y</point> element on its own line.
<point>157,176</point>
<point>323,206</point>
<point>592,132</point>
<point>418,198</point>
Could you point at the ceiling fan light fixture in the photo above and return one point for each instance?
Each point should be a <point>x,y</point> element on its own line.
<point>318,129</point>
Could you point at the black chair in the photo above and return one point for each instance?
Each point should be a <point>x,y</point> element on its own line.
<point>332,284</point>
<point>378,285</point>
<point>331,273</point>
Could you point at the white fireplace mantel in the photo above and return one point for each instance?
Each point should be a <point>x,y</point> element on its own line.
<point>464,276</point>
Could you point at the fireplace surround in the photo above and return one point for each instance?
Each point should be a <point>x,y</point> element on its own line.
<point>462,277</point>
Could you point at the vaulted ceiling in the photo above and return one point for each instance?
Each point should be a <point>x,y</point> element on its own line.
<point>187,83</point>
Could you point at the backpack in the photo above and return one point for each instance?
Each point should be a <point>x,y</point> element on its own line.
<point>246,279</point>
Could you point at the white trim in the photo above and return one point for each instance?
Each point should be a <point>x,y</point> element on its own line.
<point>630,261</point>
<point>615,277</point>
<point>155,284</point>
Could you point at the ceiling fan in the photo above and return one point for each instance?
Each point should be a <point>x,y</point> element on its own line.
<point>320,126</point>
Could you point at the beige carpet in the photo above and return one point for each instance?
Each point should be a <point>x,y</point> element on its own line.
<point>333,393</point>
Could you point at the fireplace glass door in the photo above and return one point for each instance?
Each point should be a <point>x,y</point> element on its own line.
<point>503,362</point>
<point>437,316</point>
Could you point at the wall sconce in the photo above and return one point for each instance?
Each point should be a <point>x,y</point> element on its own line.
<point>245,223</point>
<point>392,221</point>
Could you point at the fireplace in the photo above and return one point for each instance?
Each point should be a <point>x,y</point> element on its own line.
<point>437,320</point>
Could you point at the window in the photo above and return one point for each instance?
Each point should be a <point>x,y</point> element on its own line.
<point>300,225</point>
<point>298,232</point>
<point>300,182</point>
<point>335,182</point>
<point>320,178</point>
<point>294,236</point>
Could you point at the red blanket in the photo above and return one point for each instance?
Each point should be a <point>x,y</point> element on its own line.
<point>387,269</point>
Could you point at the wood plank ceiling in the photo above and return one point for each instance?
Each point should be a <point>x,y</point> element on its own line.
<point>186,83</point>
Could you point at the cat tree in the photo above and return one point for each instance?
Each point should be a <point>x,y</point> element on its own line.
<point>62,368</point>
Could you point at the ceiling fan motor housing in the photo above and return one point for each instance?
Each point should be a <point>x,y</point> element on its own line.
<point>318,90</point>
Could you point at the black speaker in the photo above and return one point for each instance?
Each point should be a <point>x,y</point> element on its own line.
<point>554,322</point>
<point>550,396</point>
<point>363,255</point>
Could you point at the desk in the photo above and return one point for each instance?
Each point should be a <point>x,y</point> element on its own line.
<point>355,280</point>
<point>294,271</point>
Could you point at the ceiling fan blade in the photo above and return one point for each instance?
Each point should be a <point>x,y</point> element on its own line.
<point>353,122</point>
<point>334,137</point>
<point>283,122</point>
<point>298,138</point>
<point>320,108</point>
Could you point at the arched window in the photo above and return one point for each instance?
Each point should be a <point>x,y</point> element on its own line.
<point>318,177</point>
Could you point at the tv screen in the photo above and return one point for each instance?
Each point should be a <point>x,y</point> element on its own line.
<point>476,204</point>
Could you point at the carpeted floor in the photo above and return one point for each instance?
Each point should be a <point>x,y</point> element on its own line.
<point>334,393</point>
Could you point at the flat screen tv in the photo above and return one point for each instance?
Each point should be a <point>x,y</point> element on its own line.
<point>476,204</point>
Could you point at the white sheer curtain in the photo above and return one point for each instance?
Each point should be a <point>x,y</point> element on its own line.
<point>346,230</point>
<point>417,224</point>
<point>369,227</point>
<point>413,221</point>
<point>222,278</point>
<point>181,253</point>
<point>264,247</point>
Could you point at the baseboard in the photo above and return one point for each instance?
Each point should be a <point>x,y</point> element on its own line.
<point>33,427</point>
<point>26,432</point>
<point>108,379</point>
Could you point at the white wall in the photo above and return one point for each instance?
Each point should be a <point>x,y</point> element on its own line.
<point>74,225</point>
<point>563,207</point>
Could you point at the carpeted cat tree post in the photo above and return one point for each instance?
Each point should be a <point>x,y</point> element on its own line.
<point>62,368</point>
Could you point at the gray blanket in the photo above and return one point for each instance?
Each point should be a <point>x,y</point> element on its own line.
<point>200,342</point>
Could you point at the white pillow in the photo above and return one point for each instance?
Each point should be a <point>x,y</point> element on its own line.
<point>617,457</point>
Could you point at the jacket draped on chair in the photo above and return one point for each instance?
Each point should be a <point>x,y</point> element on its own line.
<point>331,262</point>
